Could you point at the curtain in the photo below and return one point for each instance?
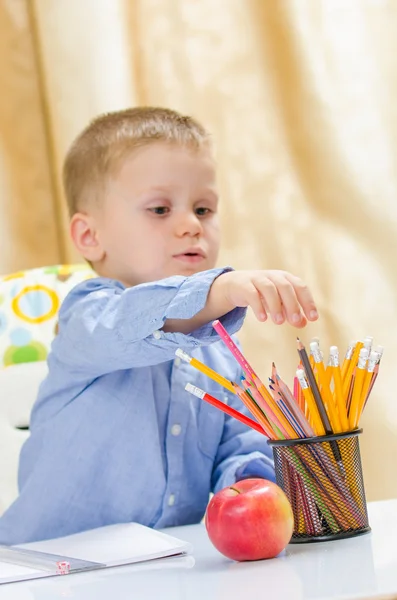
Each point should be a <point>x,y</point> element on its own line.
<point>300,98</point>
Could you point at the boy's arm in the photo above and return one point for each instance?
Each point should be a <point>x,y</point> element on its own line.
<point>242,453</point>
<point>104,327</point>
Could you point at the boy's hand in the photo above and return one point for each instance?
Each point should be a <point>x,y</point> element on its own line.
<point>277,293</point>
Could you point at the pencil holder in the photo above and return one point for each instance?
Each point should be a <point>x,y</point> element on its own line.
<point>323,480</point>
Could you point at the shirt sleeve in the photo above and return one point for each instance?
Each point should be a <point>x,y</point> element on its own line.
<point>105,327</point>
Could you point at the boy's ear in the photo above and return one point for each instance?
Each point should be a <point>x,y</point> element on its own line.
<point>85,237</point>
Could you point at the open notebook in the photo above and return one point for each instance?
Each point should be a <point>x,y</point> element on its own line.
<point>109,546</point>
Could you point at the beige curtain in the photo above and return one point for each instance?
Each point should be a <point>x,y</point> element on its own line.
<point>300,97</point>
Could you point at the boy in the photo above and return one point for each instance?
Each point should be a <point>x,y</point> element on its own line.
<point>114,436</point>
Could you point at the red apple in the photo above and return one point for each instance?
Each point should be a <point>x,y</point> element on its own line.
<point>250,520</point>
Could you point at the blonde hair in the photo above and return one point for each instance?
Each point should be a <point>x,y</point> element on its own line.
<point>104,144</point>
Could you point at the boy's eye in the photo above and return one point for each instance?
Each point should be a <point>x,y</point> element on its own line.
<point>160,210</point>
<point>202,211</point>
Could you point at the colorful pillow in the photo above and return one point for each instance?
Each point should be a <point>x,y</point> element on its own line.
<point>29,305</point>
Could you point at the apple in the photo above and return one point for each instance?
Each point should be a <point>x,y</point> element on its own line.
<point>250,520</point>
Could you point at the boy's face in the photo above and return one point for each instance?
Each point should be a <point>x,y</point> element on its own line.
<point>159,217</point>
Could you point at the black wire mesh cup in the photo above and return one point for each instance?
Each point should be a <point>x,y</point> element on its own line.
<point>323,480</point>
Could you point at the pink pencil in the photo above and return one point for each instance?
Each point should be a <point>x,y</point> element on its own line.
<point>223,334</point>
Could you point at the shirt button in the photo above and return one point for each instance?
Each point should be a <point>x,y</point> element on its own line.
<point>171,500</point>
<point>177,361</point>
<point>157,335</point>
<point>176,429</point>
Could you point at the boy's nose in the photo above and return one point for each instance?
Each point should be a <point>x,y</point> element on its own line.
<point>188,224</point>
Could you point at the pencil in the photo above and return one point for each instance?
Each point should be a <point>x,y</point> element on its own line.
<point>310,403</point>
<point>379,350</point>
<point>205,370</point>
<point>314,387</point>
<point>349,371</point>
<point>270,401</point>
<point>321,408</point>
<point>223,334</point>
<point>298,394</point>
<point>325,390</point>
<point>372,361</point>
<point>347,359</point>
<point>357,389</point>
<point>199,393</point>
<point>350,392</point>
<point>367,342</point>
<point>286,409</point>
<point>293,406</point>
<point>338,391</point>
<point>271,410</point>
<point>256,411</point>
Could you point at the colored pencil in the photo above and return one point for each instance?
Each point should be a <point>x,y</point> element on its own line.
<point>350,369</point>
<point>252,406</point>
<point>223,334</point>
<point>319,478</point>
<point>338,390</point>
<point>358,388</point>
<point>205,370</point>
<point>310,403</point>
<point>325,390</point>
<point>199,393</point>
<point>314,388</point>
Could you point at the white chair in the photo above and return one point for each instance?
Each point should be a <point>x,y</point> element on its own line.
<point>18,390</point>
<point>29,305</point>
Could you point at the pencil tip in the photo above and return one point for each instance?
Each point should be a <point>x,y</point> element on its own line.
<point>300,345</point>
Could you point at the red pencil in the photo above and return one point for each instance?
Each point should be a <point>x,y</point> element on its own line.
<point>224,407</point>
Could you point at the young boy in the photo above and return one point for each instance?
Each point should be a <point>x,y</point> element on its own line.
<point>114,435</point>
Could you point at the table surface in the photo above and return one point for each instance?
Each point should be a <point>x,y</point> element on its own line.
<point>361,567</point>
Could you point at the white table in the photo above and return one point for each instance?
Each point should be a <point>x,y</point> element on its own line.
<point>361,567</point>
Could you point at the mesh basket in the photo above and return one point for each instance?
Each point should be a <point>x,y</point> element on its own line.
<point>323,480</point>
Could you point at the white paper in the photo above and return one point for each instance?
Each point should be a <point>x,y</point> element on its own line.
<point>113,545</point>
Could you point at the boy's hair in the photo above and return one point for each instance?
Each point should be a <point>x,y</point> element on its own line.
<point>100,149</point>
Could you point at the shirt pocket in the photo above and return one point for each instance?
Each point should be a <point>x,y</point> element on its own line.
<point>210,425</point>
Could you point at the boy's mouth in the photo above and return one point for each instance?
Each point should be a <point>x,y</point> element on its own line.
<point>191,256</point>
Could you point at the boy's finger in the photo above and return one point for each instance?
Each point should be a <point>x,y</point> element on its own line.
<point>304,296</point>
<point>270,299</point>
<point>289,300</point>
<point>253,300</point>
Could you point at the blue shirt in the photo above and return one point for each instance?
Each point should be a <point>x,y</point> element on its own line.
<point>114,435</point>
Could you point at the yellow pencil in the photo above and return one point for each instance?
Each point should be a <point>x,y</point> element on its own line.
<point>379,350</point>
<point>328,374</point>
<point>358,388</point>
<point>347,359</point>
<point>313,413</point>
<point>205,370</point>
<point>349,371</point>
<point>367,342</point>
<point>325,389</point>
<point>338,390</point>
<point>373,359</point>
